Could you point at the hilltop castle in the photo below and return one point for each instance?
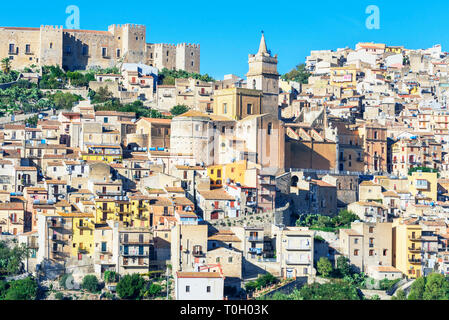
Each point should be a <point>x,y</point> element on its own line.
<point>84,49</point>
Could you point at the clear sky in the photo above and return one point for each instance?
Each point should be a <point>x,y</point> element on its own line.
<point>229,30</point>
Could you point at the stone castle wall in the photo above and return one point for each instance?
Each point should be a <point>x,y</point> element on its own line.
<point>85,49</point>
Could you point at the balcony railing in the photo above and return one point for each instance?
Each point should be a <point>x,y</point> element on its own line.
<point>298,248</point>
<point>198,253</point>
<point>414,261</point>
<point>415,238</point>
<point>413,249</point>
<point>83,227</point>
<point>255,238</point>
<point>296,262</point>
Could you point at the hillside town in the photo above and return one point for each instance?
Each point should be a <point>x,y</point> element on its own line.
<point>122,165</point>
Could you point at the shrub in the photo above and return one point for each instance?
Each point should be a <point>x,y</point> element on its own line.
<point>59,296</point>
<point>130,286</point>
<point>90,283</point>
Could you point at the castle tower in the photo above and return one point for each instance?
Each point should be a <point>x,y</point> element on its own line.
<point>263,75</point>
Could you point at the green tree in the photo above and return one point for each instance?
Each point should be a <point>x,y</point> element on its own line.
<point>11,259</point>
<point>179,109</point>
<point>102,95</point>
<point>64,100</point>
<point>32,121</point>
<point>4,286</point>
<point>90,283</point>
<point>154,289</point>
<point>24,289</point>
<point>417,289</point>
<point>111,276</point>
<point>59,296</point>
<point>437,287</point>
<point>400,295</point>
<point>63,280</point>
<point>343,266</point>
<point>130,286</point>
<point>340,290</point>
<point>324,267</point>
<point>299,74</point>
<point>6,65</point>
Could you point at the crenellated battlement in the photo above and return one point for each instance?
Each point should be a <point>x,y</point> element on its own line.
<point>52,28</point>
<point>188,45</point>
<point>130,27</point>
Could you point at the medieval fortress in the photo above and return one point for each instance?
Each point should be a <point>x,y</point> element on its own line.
<point>86,49</point>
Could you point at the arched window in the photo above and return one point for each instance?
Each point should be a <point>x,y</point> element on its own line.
<point>254,84</point>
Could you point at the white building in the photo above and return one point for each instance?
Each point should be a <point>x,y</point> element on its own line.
<point>199,286</point>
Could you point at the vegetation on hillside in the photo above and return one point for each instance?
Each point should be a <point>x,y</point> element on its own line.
<point>299,74</point>
<point>167,77</point>
<point>179,109</point>
<point>325,223</point>
<point>11,258</point>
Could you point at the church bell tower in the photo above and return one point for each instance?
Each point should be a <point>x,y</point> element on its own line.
<point>263,75</point>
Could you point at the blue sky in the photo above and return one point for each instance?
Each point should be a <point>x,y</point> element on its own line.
<point>229,30</point>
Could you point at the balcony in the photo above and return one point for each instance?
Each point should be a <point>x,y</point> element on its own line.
<point>298,248</point>
<point>414,261</point>
<point>255,250</point>
<point>414,250</point>
<point>414,238</point>
<point>134,254</point>
<point>295,262</point>
<point>265,192</point>
<point>255,238</point>
<point>266,180</point>
<point>55,225</point>
<point>197,253</point>
<point>83,227</point>
<point>141,218</point>
<point>19,221</point>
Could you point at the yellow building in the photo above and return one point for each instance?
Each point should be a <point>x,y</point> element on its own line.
<point>83,233</point>
<point>219,174</point>
<point>344,77</point>
<point>423,185</point>
<point>140,211</point>
<point>111,209</point>
<point>216,175</point>
<point>237,103</point>
<point>407,247</point>
<point>103,153</point>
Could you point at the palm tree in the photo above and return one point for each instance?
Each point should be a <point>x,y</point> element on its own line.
<point>6,65</point>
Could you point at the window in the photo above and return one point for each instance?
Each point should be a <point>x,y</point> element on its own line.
<point>385,252</point>
<point>104,52</point>
<point>371,253</point>
<point>187,288</point>
<point>249,108</point>
<point>51,45</point>
<point>371,229</point>
<point>230,260</point>
<point>225,108</point>
<point>11,48</point>
<point>85,50</point>
<point>208,289</point>
<point>27,48</point>
<point>356,241</point>
<point>269,128</point>
<point>356,252</point>
<point>217,260</point>
<point>118,53</point>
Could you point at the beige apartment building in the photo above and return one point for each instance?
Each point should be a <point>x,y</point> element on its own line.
<point>367,244</point>
<point>294,251</point>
